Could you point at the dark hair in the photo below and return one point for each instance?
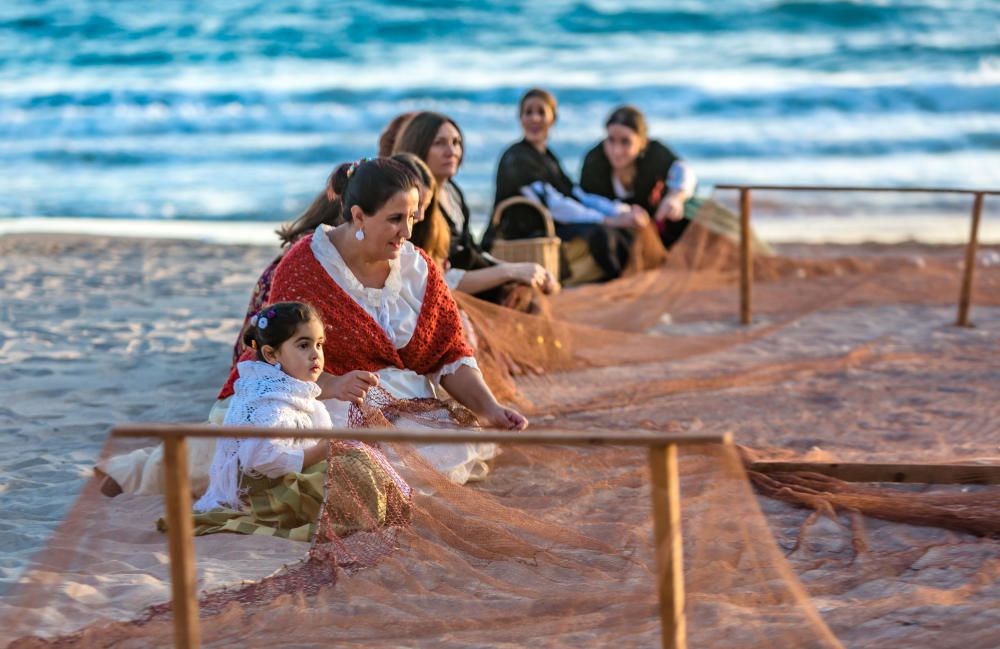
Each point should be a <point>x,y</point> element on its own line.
<point>547,97</point>
<point>418,135</point>
<point>321,211</point>
<point>281,321</point>
<point>631,117</point>
<point>431,234</point>
<point>387,140</point>
<point>371,184</point>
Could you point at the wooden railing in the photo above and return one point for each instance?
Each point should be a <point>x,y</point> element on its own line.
<point>662,465</point>
<point>746,256</point>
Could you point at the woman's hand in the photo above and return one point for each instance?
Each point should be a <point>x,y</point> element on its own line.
<point>671,208</point>
<point>468,388</point>
<point>551,284</point>
<point>528,273</point>
<point>636,217</point>
<point>504,419</point>
<point>351,387</point>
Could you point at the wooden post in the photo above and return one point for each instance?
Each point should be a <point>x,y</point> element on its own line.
<point>180,531</point>
<point>965,298</point>
<point>669,549</point>
<point>746,259</point>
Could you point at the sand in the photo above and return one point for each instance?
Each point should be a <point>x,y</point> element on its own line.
<point>97,330</point>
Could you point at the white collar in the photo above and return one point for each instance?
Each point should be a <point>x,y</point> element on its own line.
<point>278,380</point>
<point>330,258</point>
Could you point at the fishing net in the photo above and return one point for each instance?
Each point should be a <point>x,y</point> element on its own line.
<point>851,357</point>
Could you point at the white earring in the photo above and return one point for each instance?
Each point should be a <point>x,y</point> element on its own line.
<point>277,366</point>
<point>360,235</point>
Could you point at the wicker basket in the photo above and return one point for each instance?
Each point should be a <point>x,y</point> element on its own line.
<point>543,251</point>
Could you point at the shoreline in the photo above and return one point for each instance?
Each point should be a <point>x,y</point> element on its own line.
<point>813,229</point>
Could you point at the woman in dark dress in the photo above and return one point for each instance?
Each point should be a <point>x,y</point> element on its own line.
<point>437,140</point>
<point>628,166</point>
<point>529,168</point>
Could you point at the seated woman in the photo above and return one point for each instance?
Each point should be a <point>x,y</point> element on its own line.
<point>430,230</point>
<point>437,140</point>
<point>529,168</point>
<point>628,166</point>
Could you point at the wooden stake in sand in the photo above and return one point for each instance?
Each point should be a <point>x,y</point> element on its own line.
<point>965,298</point>
<point>746,258</point>
<point>666,490</point>
<point>180,531</point>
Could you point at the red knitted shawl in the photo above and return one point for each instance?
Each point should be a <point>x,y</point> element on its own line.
<point>354,340</point>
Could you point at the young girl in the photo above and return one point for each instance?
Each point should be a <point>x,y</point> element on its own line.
<point>278,390</point>
<point>276,486</point>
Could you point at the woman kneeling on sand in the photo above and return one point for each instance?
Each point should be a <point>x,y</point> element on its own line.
<point>390,322</point>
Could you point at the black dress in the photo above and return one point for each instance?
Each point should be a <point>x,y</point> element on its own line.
<point>464,252</point>
<point>521,165</point>
<point>652,167</point>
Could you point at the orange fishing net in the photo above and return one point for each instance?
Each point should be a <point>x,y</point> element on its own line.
<point>851,357</point>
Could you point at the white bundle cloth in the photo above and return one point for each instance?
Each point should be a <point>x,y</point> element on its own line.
<point>267,397</point>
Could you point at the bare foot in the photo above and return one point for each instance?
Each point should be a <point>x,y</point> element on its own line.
<point>109,487</point>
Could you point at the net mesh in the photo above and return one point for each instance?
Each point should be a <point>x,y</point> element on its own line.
<point>851,357</point>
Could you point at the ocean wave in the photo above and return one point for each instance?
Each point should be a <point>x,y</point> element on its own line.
<point>238,110</point>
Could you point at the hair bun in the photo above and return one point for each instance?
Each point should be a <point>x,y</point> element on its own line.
<point>339,179</point>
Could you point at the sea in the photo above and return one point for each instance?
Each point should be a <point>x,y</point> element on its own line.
<point>224,118</point>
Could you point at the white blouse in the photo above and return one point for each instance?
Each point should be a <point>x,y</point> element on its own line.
<point>395,307</point>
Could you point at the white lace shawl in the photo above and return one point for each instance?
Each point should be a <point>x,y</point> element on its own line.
<point>264,396</point>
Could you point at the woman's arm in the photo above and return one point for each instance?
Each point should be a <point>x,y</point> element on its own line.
<point>681,183</point>
<point>315,453</point>
<point>466,385</point>
<point>483,279</point>
<point>568,209</point>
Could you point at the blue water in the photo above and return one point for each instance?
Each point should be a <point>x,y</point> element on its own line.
<point>239,109</point>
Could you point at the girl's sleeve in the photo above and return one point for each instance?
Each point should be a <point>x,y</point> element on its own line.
<point>270,457</point>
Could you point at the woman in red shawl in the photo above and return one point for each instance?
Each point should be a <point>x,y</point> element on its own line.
<point>391,320</point>
<point>393,333</point>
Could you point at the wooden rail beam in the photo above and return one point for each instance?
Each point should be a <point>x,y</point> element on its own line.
<point>985,474</point>
<point>593,437</point>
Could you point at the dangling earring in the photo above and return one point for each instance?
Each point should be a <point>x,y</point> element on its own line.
<point>360,235</point>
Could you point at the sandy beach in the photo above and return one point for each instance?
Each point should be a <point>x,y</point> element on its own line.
<point>96,331</point>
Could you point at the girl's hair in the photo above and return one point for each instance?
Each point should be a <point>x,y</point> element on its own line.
<point>387,140</point>
<point>276,323</point>
<point>431,234</point>
<point>631,117</point>
<point>321,211</point>
<point>370,184</point>
<point>547,98</point>
<point>418,135</point>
